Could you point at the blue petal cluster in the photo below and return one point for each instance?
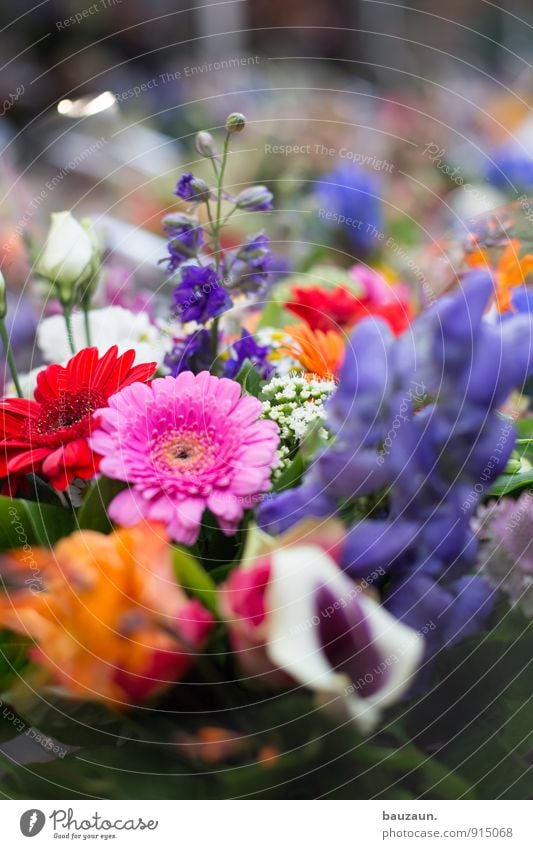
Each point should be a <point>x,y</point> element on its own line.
<point>185,238</point>
<point>349,196</point>
<point>247,268</point>
<point>511,169</point>
<point>246,348</point>
<point>416,426</point>
<point>200,295</point>
<point>183,188</point>
<point>194,353</point>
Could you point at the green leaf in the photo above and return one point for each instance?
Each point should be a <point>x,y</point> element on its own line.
<point>249,378</point>
<point>75,722</point>
<point>291,475</point>
<point>194,579</point>
<point>13,658</point>
<point>312,442</point>
<point>524,428</point>
<point>511,483</point>
<point>92,514</point>
<point>31,523</point>
<point>524,447</point>
<point>471,717</point>
<point>132,771</point>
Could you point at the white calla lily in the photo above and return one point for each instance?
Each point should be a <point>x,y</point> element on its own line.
<point>294,641</point>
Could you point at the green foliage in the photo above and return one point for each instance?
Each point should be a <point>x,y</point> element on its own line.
<point>92,515</point>
<point>291,474</point>
<point>288,748</point>
<point>475,719</point>
<point>194,579</point>
<point>506,484</point>
<point>249,378</point>
<point>468,736</point>
<point>31,523</point>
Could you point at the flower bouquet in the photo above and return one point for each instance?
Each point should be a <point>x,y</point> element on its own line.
<point>269,536</point>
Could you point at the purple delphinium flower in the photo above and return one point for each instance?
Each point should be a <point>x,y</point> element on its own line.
<point>353,197</point>
<point>417,418</point>
<point>185,239</point>
<point>193,353</point>
<point>246,348</point>
<point>254,248</point>
<point>248,267</point>
<point>200,295</point>
<point>505,532</point>
<point>191,188</point>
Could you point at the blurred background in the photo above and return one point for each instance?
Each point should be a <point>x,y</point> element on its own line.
<point>422,112</point>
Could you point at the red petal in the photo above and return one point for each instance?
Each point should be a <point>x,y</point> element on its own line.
<point>27,461</point>
<point>50,383</point>
<point>63,479</point>
<point>77,453</point>
<point>81,369</point>
<point>54,462</point>
<point>21,407</point>
<point>119,373</point>
<point>141,373</point>
<point>14,414</point>
<point>105,367</point>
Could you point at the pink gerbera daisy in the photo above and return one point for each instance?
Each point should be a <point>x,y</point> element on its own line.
<point>185,444</point>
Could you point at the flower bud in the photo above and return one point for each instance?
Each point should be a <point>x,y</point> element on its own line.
<point>89,282</point>
<point>254,248</point>
<point>193,189</point>
<point>3,304</point>
<point>235,123</point>
<point>66,260</point>
<point>255,199</point>
<point>206,145</point>
<point>201,190</point>
<point>177,221</point>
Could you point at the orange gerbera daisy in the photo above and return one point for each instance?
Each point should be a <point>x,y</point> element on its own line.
<point>319,352</point>
<point>509,272</point>
<point>107,617</point>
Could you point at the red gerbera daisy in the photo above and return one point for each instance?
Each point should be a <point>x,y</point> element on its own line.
<point>48,436</point>
<point>334,309</point>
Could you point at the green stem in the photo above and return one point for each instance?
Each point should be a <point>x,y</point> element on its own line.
<point>216,235</point>
<point>67,313</point>
<point>228,216</point>
<point>86,324</point>
<point>10,358</point>
<point>214,342</point>
<point>210,217</point>
<point>216,225</point>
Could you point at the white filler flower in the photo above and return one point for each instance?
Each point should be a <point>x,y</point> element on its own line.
<point>294,402</point>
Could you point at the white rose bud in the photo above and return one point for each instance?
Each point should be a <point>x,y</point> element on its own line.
<point>67,256</point>
<point>89,281</point>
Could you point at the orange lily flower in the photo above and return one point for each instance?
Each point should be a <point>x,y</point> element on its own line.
<point>319,352</point>
<point>510,271</point>
<point>108,620</point>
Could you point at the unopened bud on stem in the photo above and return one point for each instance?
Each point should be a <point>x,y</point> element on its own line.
<point>235,123</point>
<point>206,145</point>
